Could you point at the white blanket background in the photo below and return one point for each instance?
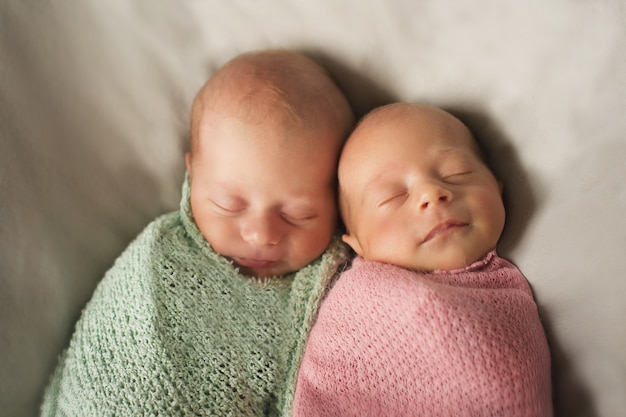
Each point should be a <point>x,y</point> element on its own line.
<point>94,105</point>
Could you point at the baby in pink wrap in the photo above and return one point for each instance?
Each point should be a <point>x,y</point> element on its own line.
<point>428,321</point>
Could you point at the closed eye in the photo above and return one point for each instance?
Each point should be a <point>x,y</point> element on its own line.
<point>227,210</point>
<point>455,166</point>
<point>395,198</point>
<point>457,177</point>
<point>299,218</point>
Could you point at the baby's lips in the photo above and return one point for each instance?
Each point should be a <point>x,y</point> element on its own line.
<point>443,228</point>
<point>255,263</point>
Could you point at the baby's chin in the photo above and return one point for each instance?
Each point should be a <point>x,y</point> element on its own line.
<point>262,273</point>
<point>446,261</point>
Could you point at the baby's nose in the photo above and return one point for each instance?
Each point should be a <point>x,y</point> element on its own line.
<point>261,230</point>
<point>434,194</point>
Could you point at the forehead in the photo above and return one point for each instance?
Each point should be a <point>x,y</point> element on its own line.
<point>267,151</point>
<point>223,134</point>
<point>408,133</point>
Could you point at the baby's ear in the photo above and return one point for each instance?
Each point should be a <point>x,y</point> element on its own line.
<point>353,242</point>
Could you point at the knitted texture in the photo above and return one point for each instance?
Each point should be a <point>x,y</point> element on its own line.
<point>392,342</point>
<point>174,329</point>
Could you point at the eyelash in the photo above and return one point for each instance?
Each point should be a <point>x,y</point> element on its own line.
<point>452,177</point>
<point>293,220</point>
<point>386,201</point>
<point>225,210</point>
<point>296,220</point>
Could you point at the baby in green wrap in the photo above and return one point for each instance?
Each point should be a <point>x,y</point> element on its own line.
<point>266,134</point>
<point>207,311</point>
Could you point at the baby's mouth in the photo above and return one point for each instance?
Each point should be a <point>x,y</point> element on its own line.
<point>444,229</point>
<point>254,263</point>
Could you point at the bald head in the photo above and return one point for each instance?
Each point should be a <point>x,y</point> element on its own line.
<point>275,86</point>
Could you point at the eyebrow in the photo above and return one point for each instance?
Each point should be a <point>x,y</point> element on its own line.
<point>374,184</point>
<point>449,150</point>
<point>465,153</point>
<point>378,178</point>
<point>473,148</point>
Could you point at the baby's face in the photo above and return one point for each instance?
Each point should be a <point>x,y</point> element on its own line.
<point>263,198</point>
<point>419,195</point>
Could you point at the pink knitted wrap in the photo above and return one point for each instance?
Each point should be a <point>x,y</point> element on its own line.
<point>392,342</point>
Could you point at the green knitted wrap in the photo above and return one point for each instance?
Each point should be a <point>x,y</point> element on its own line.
<point>174,329</point>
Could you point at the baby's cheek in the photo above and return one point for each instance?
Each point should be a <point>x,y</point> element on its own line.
<point>220,233</point>
<point>389,246</point>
